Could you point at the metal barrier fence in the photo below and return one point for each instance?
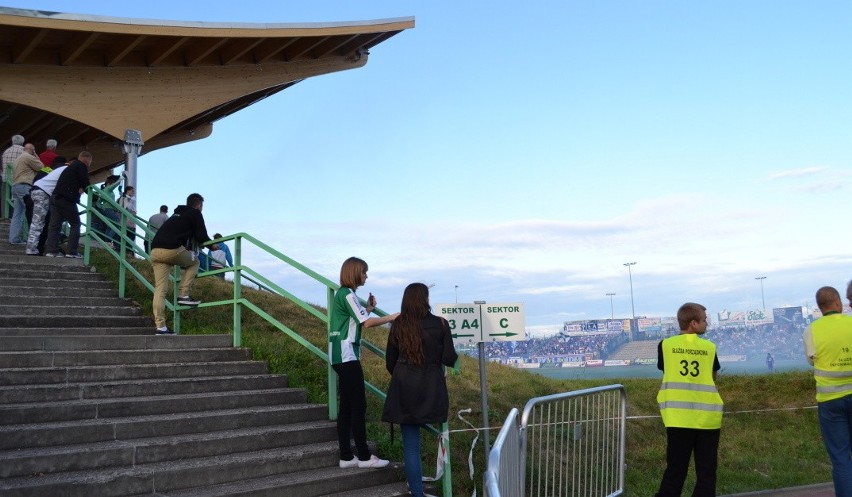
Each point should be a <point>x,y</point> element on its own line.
<point>568,444</point>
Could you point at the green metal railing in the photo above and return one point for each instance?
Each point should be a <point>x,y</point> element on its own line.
<point>238,301</point>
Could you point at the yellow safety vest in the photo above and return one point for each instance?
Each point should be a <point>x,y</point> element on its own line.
<point>832,336</point>
<point>688,397</point>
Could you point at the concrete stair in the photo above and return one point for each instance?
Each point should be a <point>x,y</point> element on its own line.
<point>93,403</point>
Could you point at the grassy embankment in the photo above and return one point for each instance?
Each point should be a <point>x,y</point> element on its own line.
<point>778,447</point>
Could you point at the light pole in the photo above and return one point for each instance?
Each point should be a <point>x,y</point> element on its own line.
<point>761,278</point>
<point>457,294</point>
<point>611,311</point>
<point>630,274</point>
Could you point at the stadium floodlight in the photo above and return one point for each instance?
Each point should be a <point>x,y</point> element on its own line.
<point>763,300</point>
<point>611,310</point>
<point>630,274</point>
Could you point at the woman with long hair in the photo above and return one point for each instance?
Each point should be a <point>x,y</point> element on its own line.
<point>418,345</point>
<point>348,317</point>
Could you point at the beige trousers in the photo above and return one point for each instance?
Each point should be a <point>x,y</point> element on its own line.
<point>163,260</point>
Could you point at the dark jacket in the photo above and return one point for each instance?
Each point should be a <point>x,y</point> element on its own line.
<point>183,228</point>
<point>418,393</point>
<point>72,179</point>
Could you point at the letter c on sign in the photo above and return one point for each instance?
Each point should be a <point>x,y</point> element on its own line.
<point>504,323</point>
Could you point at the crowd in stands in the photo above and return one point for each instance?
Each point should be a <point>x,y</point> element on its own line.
<point>782,340</point>
<point>597,346</point>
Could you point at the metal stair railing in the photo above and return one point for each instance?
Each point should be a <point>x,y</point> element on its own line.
<point>238,302</point>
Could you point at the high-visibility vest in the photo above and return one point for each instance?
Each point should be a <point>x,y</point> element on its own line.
<point>688,397</point>
<point>832,336</point>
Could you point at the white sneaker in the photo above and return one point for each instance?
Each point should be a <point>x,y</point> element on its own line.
<point>373,462</point>
<point>352,463</point>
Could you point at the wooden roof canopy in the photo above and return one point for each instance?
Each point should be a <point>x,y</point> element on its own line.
<point>83,80</point>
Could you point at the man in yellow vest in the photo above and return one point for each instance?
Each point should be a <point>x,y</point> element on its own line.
<point>690,404</point>
<point>828,346</point>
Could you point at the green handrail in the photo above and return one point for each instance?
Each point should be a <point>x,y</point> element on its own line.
<point>238,302</point>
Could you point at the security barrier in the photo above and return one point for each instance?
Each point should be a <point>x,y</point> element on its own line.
<point>568,444</point>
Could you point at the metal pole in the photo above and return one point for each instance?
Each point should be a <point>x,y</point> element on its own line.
<point>633,326</point>
<point>611,310</point>
<point>630,275</point>
<point>761,278</point>
<point>132,148</point>
<point>483,387</point>
<point>457,294</point>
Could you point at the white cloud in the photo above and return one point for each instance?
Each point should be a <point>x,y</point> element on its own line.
<point>801,172</point>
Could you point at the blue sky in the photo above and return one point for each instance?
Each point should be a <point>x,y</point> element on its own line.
<point>524,151</point>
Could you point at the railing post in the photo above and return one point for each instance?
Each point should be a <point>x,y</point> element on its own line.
<point>447,480</point>
<point>332,376</point>
<point>7,189</point>
<point>176,313</point>
<point>87,243</point>
<point>122,270</point>
<point>238,262</point>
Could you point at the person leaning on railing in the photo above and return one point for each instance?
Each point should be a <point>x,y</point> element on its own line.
<point>40,195</point>
<point>344,354</point>
<point>63,206</point>
<point>171,247</point>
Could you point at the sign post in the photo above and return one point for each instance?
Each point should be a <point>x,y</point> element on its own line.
<point>480,323</point>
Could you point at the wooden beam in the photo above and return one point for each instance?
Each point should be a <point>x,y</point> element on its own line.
<point>157,55</point>
<point>202,50</point>
<point>332,45</point>
<point>304,46</point>
<point>237,49</point>
<point>26,45</point>
<point>120,50</point>
<point>270,48</point>
<point>76,46</point>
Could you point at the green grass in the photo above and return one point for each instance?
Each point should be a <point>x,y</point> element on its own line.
<point>779,446</point>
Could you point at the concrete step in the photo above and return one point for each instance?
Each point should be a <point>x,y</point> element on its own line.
<point>42,359</point>
<point>88,374</point>
<point>19,394</point>
<point>312,483</point>
<point>152,450</point>
<point>60,321</point>
<point>102,331</point>
<point>67,301</point>
<point>169,476</point>
<point>58,433</point>
<point>48,273</point>
<point>12,414</point>
<point>397,489</point>
<point>67,310</point>
<point>31,289</point>
<point>59,282</point>
<point>11,262</point>
<point>124,343</point>
<point>10,257</point>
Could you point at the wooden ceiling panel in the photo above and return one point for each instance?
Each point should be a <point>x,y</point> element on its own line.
<point>56,66</point>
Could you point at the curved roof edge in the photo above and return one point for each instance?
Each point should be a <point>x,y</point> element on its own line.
<point>32,14</point>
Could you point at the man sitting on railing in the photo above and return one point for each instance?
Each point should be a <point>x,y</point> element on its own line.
<point>172,246</point>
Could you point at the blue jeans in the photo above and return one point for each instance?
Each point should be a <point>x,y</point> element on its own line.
<point>115,217</point>
<point>835,422</point>
<point>411,458</point>
<point>16,229</point>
